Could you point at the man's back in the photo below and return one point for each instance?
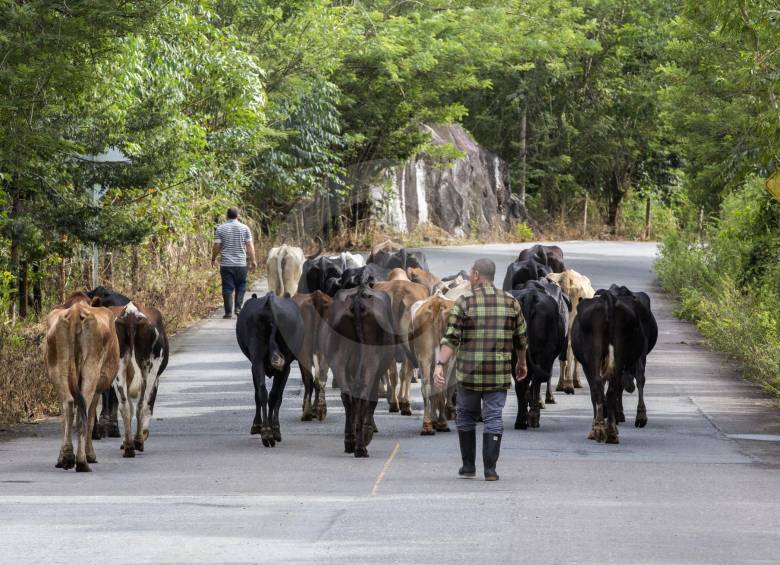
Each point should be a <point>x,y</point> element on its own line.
<point>232,236</point>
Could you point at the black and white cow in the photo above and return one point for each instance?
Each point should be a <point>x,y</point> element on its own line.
<point>321,273</point>
<point>610,335</point>
<point>636,375</point>
<point>143,356</point>
<point>269,331</point>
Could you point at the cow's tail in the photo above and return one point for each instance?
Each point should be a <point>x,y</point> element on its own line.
<point>608,362</point>
<point>357,318</point>
<point>280,275</point>
<point>405,340</point>
<point>69,331</point>
<point>533,368</point>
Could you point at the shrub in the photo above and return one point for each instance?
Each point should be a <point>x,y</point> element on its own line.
<point>523,232</point>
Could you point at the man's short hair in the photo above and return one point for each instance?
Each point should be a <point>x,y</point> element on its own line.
<point>232,213</point>
<point>486,268</point>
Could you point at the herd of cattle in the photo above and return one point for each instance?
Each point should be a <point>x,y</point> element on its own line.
<point>359,319</point>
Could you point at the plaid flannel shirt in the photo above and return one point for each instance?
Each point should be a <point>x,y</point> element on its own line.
<point>484,326</point>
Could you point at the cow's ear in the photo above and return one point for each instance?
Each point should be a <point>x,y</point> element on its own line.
<point>96,302</point>
<point>254,295</point>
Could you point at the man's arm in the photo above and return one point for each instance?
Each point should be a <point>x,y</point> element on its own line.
<point>215,249</point>
<point>250,254</point>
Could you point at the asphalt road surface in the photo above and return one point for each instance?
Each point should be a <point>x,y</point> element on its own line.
<point>699,484</point>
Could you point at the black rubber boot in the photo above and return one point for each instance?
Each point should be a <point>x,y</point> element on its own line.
<point>491,447</point>
<point>468,452</point>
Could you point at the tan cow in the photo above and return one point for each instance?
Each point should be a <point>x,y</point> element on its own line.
<point>82,357</point>
<point>397,275</point>
<point>429,322</point>
<point>314,309</point>
<point>285,264</point>
<point>423,277</point>
<point>403,294</point>
<point>577,287</point>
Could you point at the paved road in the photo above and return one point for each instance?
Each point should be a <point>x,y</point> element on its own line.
<point>689,488</point>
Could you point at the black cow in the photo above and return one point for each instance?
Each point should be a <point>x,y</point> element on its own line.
<point>368,275</point>
<point>107,424</point>
<point>319,274</point>
<point>360,345</point>
<point>549,255</point>
<point>270,333</point>
<point>520,272</point>
<point>637,374</point>
<point>609,337</point>
<point>564,309</point>
<point>546,340</point>
<point>398,259</point>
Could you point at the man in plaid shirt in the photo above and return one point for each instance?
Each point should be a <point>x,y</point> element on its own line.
<point>485,327</point>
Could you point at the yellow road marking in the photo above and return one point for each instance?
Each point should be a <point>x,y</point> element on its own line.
<point>381,476</point>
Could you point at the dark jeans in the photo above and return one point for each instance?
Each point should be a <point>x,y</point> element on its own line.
<point>233,280</point>
<point>471,403</point>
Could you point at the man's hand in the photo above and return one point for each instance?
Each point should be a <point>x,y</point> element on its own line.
<point>439,378</point>
<point>252,266</point>
<point>521,369</point>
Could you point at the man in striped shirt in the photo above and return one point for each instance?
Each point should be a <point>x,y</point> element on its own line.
<point>486,326</point>
<point>233,243</point>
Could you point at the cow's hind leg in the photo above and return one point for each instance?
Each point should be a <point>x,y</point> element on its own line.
<point>392,393</point>
<point>406,384</point>
<point>126,408</point>
<point>84,431</point>
<point>599,429</point>
<point>275,402</point>
<point>92,420</point>
<point>521,391</point>
<point>67,459</point>
<point>641,410</point>
<point>349,423</point>
<point>613,396</point>
<point>427,394</point>
<point>534,402</point>
<point>308,389</point>
<point>548,395</point>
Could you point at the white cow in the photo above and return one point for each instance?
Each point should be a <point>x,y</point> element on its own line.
<point>577,287</point>
<point>285,264</point>
<point>349,260</point>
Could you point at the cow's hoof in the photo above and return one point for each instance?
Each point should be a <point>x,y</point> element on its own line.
<point>276,433</point>
<point>361,452</point>
<point>599,433</point>
<point>577,384</point>
<point>374,429</point>
<point>568,389</point>
<point>621,417</point>
<point>129,452</point>
<point>427,432</point>
<point>307,417</point>
<point>91,458</point>
<point>97,435</point>
<point>612,439</point>
<point>349,447</point>
<point>541,405</point>
<point>414,379</point>
<point>550,399</point>
<point>82,467</point>
<point>67,461</point>
<point>113,430</point>
<point>450,413</point>
<point>256,430</point>
<point>641,420</point>
<point>138,444</point>
<point>393,407</point>
<point>406,410</point>
<point>521,425</point>
<point>441,427</point>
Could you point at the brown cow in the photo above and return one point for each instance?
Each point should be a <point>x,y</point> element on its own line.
<point>82,356</point>
<point>429,321</point>
<point>577,287</point>
<point>314,309</point>
<point>403,294</point>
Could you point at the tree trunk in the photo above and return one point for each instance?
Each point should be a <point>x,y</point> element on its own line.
<point>648,218</point>
<point>585,218</point>
<point>617,189</point>
<point>24,288</point>
<point>61,280</point>
<point>37,293</point>
<point>523,156</point>
<point>134,268</point>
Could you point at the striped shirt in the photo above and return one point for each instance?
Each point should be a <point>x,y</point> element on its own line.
<point>485,325</point>
<point>232,237</point>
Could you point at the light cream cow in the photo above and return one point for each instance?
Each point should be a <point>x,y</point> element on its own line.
<point>285,264</point>
<point>577,287</point>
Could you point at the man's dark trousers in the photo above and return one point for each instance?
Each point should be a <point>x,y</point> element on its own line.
<point>233,280</point>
